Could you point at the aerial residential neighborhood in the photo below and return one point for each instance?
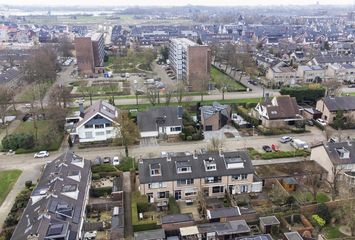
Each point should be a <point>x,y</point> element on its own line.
<point>180,120</point>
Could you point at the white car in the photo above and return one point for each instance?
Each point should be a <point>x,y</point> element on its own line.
<point>321,122</point>
<point>115,161</point>
<point>41,154</point>
<point>285,139</point>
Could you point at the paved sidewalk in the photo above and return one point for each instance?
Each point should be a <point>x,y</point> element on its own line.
<point>127,205</point>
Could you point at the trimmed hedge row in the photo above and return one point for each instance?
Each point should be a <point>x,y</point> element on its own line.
<point>100,192</point>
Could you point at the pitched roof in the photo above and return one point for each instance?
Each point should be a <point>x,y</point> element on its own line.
<point>345,103</point>
<point>282,107</point>
<point>104,108</point>
<point>341,152</point>
<point>226,228</point>
<point>269,220</point>
<point>209,111</point>
<point>176,218</point>
<point>223,212</point>
<point>56,204</point>
<point>169,172</point>
<point>150,234</point>
<point>164,116</point>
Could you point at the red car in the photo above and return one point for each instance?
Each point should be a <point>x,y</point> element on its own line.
<point>275,147</point>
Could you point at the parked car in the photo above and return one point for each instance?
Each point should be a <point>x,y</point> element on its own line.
<point>98,160</point>
<point>106,160</point>
<point>275,147</point>
<point>285,139</point>
<point>351,86</point>
<point>299,144</point>
<point>321,122</point>
<point>267,148</point>
<point>41,154</point>
<point>309,122</point>
<point>333,140</point>
<point>115,161</point>
<point>27,117</point>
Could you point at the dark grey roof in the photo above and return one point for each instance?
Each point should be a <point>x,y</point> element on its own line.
<point>150,235</point>
<point>107,110</point>
<point>209,111</point>
<point>50,211</point>
<point>335,150</point>
<point>256,237</point>
<point>169,173</point>
<point>345,103</point>
<point>176,218</point>
<point>286,108</point>
<point>269,220</point>
<point>223,212</point>
<point>164,116</point>
<point>232,227</point>
<point>293,236</point>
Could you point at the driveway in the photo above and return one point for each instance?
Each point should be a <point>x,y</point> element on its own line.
<point>225,132</point>
<point>127,205</point>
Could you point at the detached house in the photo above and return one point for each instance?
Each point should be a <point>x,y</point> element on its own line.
<point>56,208</point>
<point>336,158</point>
<point>329,106</point>
<point>160,121</point>
<point>279,112</point>
<point>184,177</point>
<point>96,123</point>
<point>215,117</point>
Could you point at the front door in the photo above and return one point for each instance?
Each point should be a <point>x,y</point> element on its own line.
<point>177,194</point>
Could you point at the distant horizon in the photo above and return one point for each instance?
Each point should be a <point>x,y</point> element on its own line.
<point>172,3</point>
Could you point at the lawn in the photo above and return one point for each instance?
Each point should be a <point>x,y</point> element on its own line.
<point>332,232</point>
<point>7,181</point>
<point>221,79</point>
<point>148,223</point>
<point>321,197</point>
<point>46,140</point>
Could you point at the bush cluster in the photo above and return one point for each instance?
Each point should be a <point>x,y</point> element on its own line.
<point>100,192</point>
<point>18,141</point>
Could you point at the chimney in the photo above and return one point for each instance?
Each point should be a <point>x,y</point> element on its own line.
<point>81,109</point>
<point>221,152</point>
<point>266,98</point>
<point>168,157</point>
<point>194,154</point>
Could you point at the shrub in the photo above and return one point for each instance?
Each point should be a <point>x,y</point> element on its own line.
<point>100,192</point>
<point>188,130</point>
<point>145,227</point>
<point>103,168</point>
<point>126,164</point>
<point>95,176</point>
<point>323,212</point>
<point>28,184</point>
<point>189,138</point>
<point>317,219</point>
<point>245,115</point>
<point>302,94</point>
<point>182,136</point>
<point>16,141</point>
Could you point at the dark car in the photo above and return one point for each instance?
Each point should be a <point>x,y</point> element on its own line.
<point>26,117</point>
<point>267,148</point>
<point>106,160</point>
<point>351,86</point>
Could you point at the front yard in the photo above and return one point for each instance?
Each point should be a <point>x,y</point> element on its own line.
<point>221,80</point>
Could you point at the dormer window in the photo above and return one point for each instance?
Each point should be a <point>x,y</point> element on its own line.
<point>183,167</point>
<point>343,153</point>
<point>155,169</point>
<point>233,163</point>
<point>210,164</point>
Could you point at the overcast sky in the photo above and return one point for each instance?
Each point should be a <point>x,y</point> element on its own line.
<point>172,2</point>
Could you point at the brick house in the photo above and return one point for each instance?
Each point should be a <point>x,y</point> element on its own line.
<point>215,117</point>
<point>329,106</point>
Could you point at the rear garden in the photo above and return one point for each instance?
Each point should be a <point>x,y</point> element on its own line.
<point>7,181</point>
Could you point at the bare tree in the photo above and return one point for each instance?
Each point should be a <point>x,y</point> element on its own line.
<point>153,95</point>
<point>168,95</point>
<point>5,102</point>
<point>65,46</point>
<point>332,87</point>
<point>88,92</point>
<point>127,130</point>
<point>180,90</point>
<point>215,144</point>
<point>313,182</point>
<point>60,96</point>
<point>333,183</point>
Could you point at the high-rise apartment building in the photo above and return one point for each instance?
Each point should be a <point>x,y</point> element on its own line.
<point>191,63</point>
<point>90,53</point>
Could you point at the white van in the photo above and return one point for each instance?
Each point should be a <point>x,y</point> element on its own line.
<point>299,144</point>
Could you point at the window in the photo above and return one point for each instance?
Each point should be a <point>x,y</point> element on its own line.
<point>98,117</point>
<point>240,176</point>
<point>88,126</point>
<point>190,192</point>
<point>213,180</point>
<point>208,128</point>
<point>175,129</point>
<point>188,181</point>
<point>108,131</point>
<point>88,135</point>
<point>217,189</point>
<point>100,133</point>
<point>157,185</point>
<point>163,194</point>
<point>99,126</point>
<point>184,169</point>
<point>108,124</point>
<point>155,172</point>
<point>244,188</point>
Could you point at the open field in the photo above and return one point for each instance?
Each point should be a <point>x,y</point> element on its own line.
<point>7,180</point>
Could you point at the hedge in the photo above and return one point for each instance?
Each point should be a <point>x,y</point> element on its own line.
<point>244,114</point>
<point>127,164</point>
<point>145,227</point>
<point>100,192</point>
<point>103,168</point>
<point>173,206</point>
<point>19,140</point>
<point>280,154</point>
<point>303,94</point>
